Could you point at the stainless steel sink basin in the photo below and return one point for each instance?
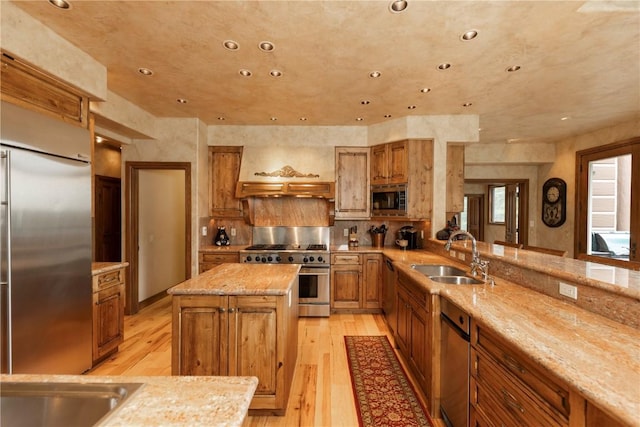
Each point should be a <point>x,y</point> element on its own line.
<point>456,280</point>
<point>60,404</point>
<point>438,270</point>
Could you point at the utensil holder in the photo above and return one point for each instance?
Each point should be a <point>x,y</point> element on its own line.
<point>377,240</point>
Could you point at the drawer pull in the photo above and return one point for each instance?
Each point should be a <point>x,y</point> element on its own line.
<point>513,363</point>
<point>511,401</point>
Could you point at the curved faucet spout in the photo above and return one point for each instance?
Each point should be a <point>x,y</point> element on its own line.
<point>474,246</point>
<point>476,263</point>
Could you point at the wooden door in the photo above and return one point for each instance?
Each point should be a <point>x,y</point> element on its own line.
<point>475,215</point>
<point>352,182</point>
<point>511,214</point>
<point>108,219</point>
<point>345,286</point>
<point>398,162</point>
<point>108,320</point>
<point>379,164</point>
<point>252,340</point>
<point>224,172</point>
<point>372,281</point>
<point>403,325</point>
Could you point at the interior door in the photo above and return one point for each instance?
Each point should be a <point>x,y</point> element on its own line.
<point>511,214</point>
<point>108,234</point>
<point>475,215</point>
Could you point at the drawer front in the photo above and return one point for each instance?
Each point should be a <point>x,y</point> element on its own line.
<point>498,393</point>
<point>106,280</point>
<point>346,259</point>
<point>543,385</point>
<point>218,258</point>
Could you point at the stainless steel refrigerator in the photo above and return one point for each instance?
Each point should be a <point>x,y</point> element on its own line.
<point>45,244</point>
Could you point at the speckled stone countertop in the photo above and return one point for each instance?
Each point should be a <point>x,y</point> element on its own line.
<point>170,401</point>
<point>595,356</point>
<point>105,267</point>
<point>241,279</point>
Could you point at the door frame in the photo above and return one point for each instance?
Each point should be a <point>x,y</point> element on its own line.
<point>131,204</point>
<point>523,200</point>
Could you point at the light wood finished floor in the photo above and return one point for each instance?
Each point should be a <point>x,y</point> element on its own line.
<point>321,394</point>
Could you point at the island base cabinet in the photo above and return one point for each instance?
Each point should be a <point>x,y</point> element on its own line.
<point>108,313</point>
<point>238,336</point>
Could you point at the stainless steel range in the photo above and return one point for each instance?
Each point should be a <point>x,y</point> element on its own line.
<point>308,246</point>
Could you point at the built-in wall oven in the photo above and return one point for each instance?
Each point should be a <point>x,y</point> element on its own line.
<point>307,246</point>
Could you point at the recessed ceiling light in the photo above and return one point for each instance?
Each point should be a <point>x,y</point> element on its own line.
<point>510,140</point>
<point>398,6</point>
<point>145,71</point>
<point>411,107</point>
<point>221,118</point>
<point>60,4</point>
<point>469,35</point>
<point>273,119</point>
<point>386,116</point>
<point>359,119</point>
<point>444,66</point>
<point>565,118</point>
<point>275,73</point>
<point>99,139</point>
<point>231,45</point>
<point>375,74</point>
<point>266,46</point>
<point>245,73</point>
<point>303,119</point>
<point>365,102</point>
<point>182,101</point>
<point>513,68</point>
<point>425,90</point>
<point>467,104</point>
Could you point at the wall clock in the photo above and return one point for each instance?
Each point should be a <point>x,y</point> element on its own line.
<point>554,202</point>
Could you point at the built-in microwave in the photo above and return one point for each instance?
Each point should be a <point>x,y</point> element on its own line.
<point>389,200</point>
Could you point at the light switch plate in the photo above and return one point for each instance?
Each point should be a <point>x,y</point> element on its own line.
<point>568,290</point>
<point>233,231</point>
<point>204,230</point>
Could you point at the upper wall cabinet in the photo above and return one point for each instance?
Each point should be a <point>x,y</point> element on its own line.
<point>407,162</point>
<point>455,178</point>
<point>224,171</point>
<point>29,88</point>
<point>352,183</point>
<point>389,163</point>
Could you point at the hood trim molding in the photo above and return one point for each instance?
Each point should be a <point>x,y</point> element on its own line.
<point>322,190</point>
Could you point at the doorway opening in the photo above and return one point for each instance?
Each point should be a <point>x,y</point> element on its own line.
<point>158,229</point>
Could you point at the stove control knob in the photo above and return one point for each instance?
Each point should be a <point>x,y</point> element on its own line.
<point>269,258</point>
<point>305,260</point>
<point>319,259</point>
<point>311,259</point>
<point>290,259</point>
<point>249,258</point>
<point>264,259</point>
<point>278,259</point>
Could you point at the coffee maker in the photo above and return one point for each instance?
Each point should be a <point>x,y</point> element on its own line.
<point>410,234</point>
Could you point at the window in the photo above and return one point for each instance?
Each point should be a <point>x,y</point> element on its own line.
<point>608,212</point>
<point>496,204</point>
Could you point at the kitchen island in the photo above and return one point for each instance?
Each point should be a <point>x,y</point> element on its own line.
<point>239,319</point>
<point>168,401</point>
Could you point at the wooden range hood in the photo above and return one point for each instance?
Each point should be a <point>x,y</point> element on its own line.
<point>294,203</point>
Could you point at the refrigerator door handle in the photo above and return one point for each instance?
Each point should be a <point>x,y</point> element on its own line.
<point>5,218</point>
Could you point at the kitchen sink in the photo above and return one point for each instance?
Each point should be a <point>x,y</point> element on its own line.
<point>456,280</point>
<point>60,404</point>
<point>438,270</point>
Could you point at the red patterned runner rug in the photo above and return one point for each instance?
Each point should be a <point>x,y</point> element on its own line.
<point>384,396</point>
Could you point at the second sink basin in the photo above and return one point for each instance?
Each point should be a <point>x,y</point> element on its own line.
<point>60,404</point>
<point>456,280</point>
<point>432,270</point>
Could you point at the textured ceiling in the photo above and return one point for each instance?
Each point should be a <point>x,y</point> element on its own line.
<point>578,60</point>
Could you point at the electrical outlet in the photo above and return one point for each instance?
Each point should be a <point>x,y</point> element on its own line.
<point>345,232</point>
<point>452,253</point>
<point>233,231</point>
<point>461,256</point>
<point>204,230</point>
<point>568,290</point>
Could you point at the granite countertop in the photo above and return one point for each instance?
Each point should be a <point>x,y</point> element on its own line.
<point>241,279</point>
<point>597,357</point>
<point>105,267</point>
<point>170,400</point>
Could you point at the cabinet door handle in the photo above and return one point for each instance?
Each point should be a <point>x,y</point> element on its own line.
<point>513,363</point>
<point>221,309</point>
<point>511,401</point>
<point>232,310</point>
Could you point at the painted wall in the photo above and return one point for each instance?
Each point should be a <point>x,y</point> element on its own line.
<point>107,161</point>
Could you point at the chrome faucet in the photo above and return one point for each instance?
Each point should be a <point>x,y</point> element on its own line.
<point>477,265</point>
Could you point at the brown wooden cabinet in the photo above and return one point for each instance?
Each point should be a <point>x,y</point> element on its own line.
<point>597,418</point>
<point>208,260</point>
<point>30,88</point>
<point>247,335</point>
<point>224,172</point>
<point>408,162</point>
<point>108,313</point>
<point>356,282</point>
<point>455,178</point>
<point>352,198</point>
<point>507,388</point>
<point>389,163</point>
<point>414,330</point>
